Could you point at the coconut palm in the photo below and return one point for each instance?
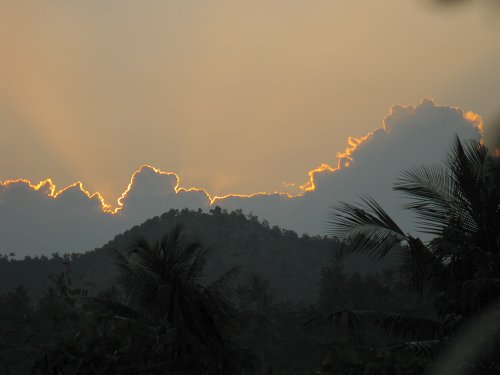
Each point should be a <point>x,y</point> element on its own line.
<point>164,282</point>
<point>169,321</point>
<point>458,203</point>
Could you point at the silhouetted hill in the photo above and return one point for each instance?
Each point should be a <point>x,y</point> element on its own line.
<point>291,263</point>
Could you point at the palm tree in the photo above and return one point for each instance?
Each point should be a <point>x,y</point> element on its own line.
<point>458,203</point>
<point>163,281</point>
<point>169,321</point>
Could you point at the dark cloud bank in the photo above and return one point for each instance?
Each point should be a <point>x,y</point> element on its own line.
<point>39,222</point>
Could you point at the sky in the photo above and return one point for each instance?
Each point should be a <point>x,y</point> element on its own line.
<point>233,96</point>
<point>74,220</point>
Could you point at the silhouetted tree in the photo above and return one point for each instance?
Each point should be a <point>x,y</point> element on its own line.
<point>459,204</point>
<point>163,282</point>
<point>169,322</point>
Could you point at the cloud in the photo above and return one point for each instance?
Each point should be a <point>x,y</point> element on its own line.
<point>152,192</point>
<point>37,219</point>
<point>409,135</point>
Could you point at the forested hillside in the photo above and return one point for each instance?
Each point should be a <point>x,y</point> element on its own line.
<point>157,300</point>
<point>291,263</point>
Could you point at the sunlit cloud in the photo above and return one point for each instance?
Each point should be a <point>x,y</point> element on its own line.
<point>409,135</point>
<point>181,86</point>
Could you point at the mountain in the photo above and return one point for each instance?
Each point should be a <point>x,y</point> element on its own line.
<point>291,264</point>
<point>74,220</point>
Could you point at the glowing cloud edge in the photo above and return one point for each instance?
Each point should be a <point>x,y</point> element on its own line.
<point>343,161</point>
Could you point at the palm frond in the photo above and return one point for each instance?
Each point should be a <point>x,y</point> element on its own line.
<point>140,243</point>
<point>477,186</point>
<point>162,281</point>
<point>173,238</point>
<point>147,257</point>
<point>365,227</point>
<point>192,260</point>
<point>476,154</point>
<point>220,285</point>
<point>429,189</point>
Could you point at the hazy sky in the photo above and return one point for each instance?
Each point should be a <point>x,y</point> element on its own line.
<point>233,96</point>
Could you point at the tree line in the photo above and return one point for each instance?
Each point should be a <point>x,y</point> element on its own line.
<point>169,310</point>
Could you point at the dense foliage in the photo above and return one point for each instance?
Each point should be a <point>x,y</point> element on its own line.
<point>459,268</point>
<point>278,255</point>
<point>101,326</point>
<point>266,301</point>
